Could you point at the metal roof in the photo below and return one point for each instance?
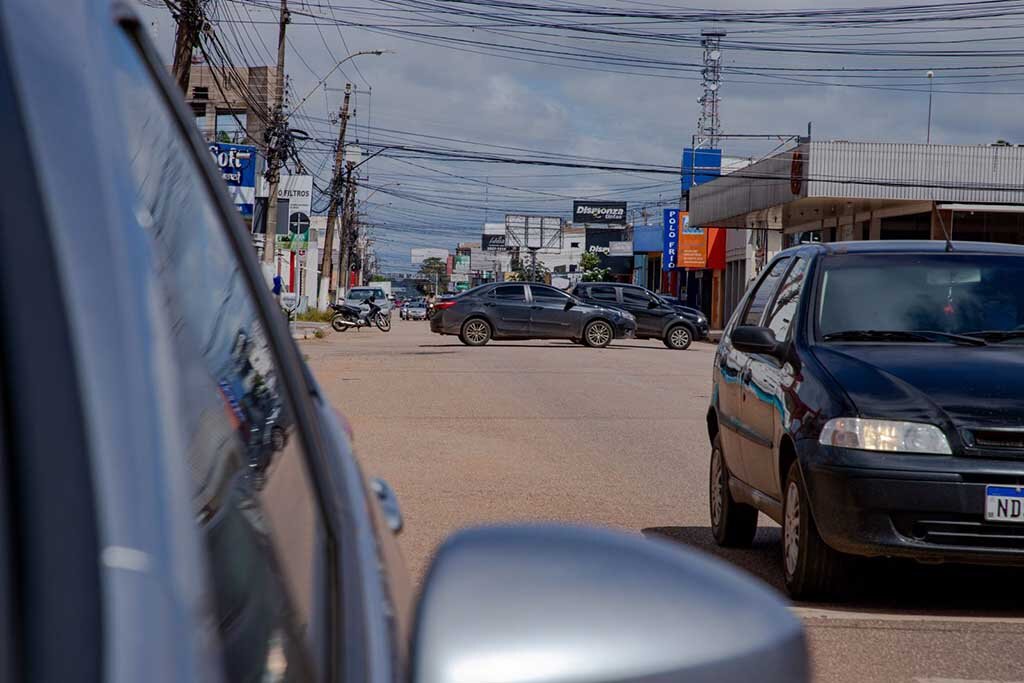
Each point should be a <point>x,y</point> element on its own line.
<point>886,171</point>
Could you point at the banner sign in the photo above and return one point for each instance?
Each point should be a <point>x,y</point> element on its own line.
<point>599,241</point>
<point>620,248</point>
<point>599,212</point>
<point>493,242</point>
<point>693,247</point>
<point>670,235</point>
<point>237,165</point>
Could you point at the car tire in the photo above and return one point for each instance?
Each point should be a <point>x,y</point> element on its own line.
<point>678,337</point>
<point>811,569</point>
<point>598,334</point>
<point>475,332</point>
<point>732,524</point>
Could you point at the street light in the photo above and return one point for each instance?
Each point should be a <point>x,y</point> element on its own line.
<point>931,88</point>
<point>335,68</point>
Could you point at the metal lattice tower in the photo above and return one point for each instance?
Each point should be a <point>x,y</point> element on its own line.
<point>709,126</point>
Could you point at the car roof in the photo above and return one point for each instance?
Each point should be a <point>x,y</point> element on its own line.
<point>904,247</point>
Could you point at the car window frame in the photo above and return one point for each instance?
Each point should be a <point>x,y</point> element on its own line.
<point>760,281</point>
<point>795,258</point>
<point>615,288</point>
<point>293,373</point>
<point>563,295</point>
<point>493,294</point>
<point>641,290</point>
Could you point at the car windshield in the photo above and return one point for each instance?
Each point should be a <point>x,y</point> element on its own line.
<point>979,295</point>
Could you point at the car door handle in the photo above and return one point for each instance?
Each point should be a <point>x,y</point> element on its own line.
<point>536,308</point>
<point>388,502</point>
<point>488,303</point>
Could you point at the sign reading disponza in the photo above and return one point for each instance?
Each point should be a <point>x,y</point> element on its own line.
<point>599,212</point>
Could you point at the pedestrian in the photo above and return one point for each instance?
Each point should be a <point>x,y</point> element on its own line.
<point>278,287</point>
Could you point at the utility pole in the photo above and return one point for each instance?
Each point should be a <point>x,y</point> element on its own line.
<point>347,224</point>
<point>278,133</point>
<point>931,89</point>
<point>191,23</point>
<point>327,258</point>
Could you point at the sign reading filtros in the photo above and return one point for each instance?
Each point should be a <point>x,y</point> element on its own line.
<point>598,212</point>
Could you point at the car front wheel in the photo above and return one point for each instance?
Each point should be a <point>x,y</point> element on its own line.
<point>678,338</point>
<point>810,567</point>
<point>733,524</point>
<point>598,334</point>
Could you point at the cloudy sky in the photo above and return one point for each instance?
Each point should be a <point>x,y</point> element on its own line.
<point>609,83</point>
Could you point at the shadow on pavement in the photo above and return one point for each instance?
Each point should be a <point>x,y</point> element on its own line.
<point>882,585</point>
<point>543,345</point>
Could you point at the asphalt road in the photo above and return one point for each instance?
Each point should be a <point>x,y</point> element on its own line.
<point>616,437</point>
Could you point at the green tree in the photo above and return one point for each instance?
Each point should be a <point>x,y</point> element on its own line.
<point>435,272</point>
<point>526,271</point>
<point>590,264</point>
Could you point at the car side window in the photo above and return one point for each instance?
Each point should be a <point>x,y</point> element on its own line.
<point>636,297</point>
<point>763,291</point>
<point>603,293</point>
<point>255,509</point>
<point>780,319</point>
<point>509,292</point>
<point>548,294</point>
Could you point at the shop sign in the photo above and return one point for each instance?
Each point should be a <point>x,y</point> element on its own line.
<point>620,248</point>
<point>237,164</point>
<point>493,242</point>
<point>670,234</point>
<point>599,212</point>
<point>693,247</point>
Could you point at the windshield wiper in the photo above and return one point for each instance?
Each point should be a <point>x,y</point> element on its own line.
<point>998,335</point>
<point>904,335</point>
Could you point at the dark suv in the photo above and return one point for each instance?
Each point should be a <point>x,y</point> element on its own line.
<point>867,396</point>
<point>656,317</point>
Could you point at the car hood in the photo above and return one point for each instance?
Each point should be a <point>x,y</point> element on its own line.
<point>967,386</point>
<point>687,312</point>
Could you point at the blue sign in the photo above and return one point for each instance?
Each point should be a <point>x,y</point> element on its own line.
<point>670,236</point>
<point>700,166</point>
<point>237,165</point>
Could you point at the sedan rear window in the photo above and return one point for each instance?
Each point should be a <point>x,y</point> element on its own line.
<point>953,293</point>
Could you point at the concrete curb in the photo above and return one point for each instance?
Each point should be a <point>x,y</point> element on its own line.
<point>303,330</point>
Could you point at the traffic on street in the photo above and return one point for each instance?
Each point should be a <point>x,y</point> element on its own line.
<point>501,341</point>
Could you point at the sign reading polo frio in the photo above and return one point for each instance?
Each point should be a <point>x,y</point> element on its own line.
<point>598,212</point>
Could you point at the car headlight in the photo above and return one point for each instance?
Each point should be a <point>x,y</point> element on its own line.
<point>890,436</point>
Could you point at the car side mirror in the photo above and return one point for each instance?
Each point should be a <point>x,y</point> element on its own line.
<point>551,604</point>
<point>653,304</point>
<point>754,339</point>
<point>570,303</point>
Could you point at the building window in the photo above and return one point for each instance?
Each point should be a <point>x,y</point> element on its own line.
<point>574,245</point>
<point>200,92</point>
<point>231,126</point>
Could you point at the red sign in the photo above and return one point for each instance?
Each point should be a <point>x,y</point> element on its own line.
<point>796,173</point>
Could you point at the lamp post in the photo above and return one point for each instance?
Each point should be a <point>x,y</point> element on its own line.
<point>931,88</point>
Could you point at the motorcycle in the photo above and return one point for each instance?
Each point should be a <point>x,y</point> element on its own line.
<point>346,316</point>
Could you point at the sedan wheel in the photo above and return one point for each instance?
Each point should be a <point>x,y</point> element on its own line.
<point>598,334</point>
<point>733,524</point>
<point>811,568</point>
<point>678,338</point>
<point>475,332</point>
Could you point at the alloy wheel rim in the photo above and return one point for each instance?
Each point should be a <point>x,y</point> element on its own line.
<point>717,486</point>
<point>476,332</point>
<point>680,337</point>
<point>791,528</point>
<point>598,334</point>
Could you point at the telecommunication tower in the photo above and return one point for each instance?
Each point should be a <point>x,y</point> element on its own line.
<point>709,126</point>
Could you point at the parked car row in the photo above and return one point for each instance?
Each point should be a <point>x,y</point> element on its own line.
<point>593,315</point>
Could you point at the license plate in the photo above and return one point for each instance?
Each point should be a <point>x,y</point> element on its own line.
<point>1004,504</point>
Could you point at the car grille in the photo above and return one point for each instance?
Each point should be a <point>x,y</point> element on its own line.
<point>994,443</point>
<point>963,531</point>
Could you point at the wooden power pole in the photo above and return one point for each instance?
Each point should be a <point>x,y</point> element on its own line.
<point>348,216</point>
<point>326,258</point>
<point>277,142</point>
<point>191,22</point>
